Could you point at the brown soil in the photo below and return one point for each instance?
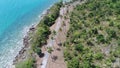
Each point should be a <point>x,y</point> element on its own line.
<point>61,27</point>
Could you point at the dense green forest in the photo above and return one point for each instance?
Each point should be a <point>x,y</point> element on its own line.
<point>93,40</point>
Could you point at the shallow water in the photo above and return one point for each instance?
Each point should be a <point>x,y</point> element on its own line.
<point>16,16</point>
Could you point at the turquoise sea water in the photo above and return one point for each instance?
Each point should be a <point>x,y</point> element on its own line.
<point>16,16</point>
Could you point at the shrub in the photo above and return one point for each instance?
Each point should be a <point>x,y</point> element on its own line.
<point>38,51</point>
<point>28,63</point>
<point>100,38</point>
<point>74,63</point>
<point>111,24</point>
<point>95,31</point>
<point>50,49</point>
<point>79,47</point>
<point>118,26</point>
<point>112,33</point>
<point>98,56</point>
<point>67,56</point>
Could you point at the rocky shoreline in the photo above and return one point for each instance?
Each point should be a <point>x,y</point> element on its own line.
<point>24,52</point>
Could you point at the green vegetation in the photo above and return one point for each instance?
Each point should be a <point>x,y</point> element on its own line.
<point>42,32</point>
<point>28,63</point>
<point>93,40</point>
<point>53,14</point>
<point>38,51</point>
<point>50,50</point>
<point>73,63</point>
